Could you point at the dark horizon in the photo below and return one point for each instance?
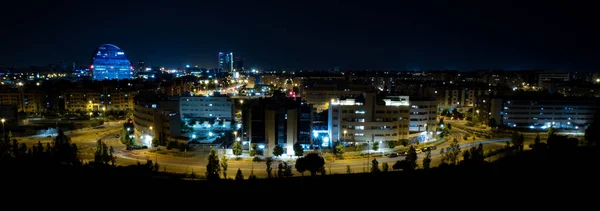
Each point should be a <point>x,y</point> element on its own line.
<point>474,35</point>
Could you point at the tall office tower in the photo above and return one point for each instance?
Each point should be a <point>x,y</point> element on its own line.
<point>226,62</point>
<point>109,62</point>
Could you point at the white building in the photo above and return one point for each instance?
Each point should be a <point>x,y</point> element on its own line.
<point>368,118</point>
<point>423,115</point>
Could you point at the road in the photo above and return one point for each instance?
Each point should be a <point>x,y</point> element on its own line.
<point>86,142</point>
<point>198,166</point>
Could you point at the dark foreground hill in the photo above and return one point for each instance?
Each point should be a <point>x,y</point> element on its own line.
<point>565,176</point>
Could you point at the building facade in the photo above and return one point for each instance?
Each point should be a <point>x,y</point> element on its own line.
<point>156,117</point>
<point>98,100</point>
<point>29,102</point>
<point>109,62</point>
<point>423,115</point>
<point>277,121</point>
<point>543,113</point>
<point>369,118</point>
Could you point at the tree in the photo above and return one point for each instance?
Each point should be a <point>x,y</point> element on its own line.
<point>280,169</point>
<point>236,148</point>
<point>375,166</point>
<point>517,140</point>
<point>287,171</point>
<point>427,160</point>
<point>269,168</point>
<point>391,144</point>
<point>314,163</point>
<point>385,167</point>
<point>451,153</point>
<point>112,156</point>
<point>592,133</point>
<point>224,166</point>
<point>359,148</point>
<point>551,132</point>
<point>278,150</point>
<point>411,159</point>
<point>339,150</point>
<point>298,150</point>
<point>348,170</point>
<point>474,156</point>
<point>213,168</point>
<point>102,155</point>
<point>255,150</point>
<point>301,165</point>
<point>375,146</point>
<point>239,175</point>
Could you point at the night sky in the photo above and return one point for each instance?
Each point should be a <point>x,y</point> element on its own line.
<point>308,34</point>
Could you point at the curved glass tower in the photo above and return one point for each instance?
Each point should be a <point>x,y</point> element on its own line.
<point>109,62</point>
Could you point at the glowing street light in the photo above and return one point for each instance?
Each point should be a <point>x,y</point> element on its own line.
<point>3,120</point>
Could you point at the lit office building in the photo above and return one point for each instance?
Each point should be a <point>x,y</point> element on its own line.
<point>542,113</point>
<point>226,62</point>
<point>368,118</point>
<point>109,62</point>
<point>206,115</point>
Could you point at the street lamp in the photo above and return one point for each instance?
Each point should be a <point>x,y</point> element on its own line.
<point>91,114</point>
<point>345,131</point>
<point>3,120</point>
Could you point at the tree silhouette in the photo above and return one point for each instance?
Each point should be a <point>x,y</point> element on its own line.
<point>301,165</point>
<point>427,160</point>
<point>224,166</point>
<point>411,158</point>
<point>385,167</point>
<point>298,150</point>
<point>517,140</point>
<point>375,166</point>
<point>314,163</point>
<point>212,168</point>
<point>280,169</point>
<point>239,175</point>
<point>269,168</point>
<point>592,133</point>
<point>451,153</point>
<point>102,154</point>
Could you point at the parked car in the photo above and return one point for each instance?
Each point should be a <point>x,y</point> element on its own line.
<point>118,136</point>
<point>393,155</point>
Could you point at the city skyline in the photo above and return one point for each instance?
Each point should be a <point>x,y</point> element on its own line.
<point>272,35</point>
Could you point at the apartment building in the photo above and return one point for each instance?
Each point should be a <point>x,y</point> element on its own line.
<point>25,101</point>
<point>97,100</point>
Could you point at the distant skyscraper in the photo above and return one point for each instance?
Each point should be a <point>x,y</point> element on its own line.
<point>109,62</point>
<point>225,62</point>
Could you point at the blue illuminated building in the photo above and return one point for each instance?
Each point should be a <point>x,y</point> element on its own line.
<point>109,62</point>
